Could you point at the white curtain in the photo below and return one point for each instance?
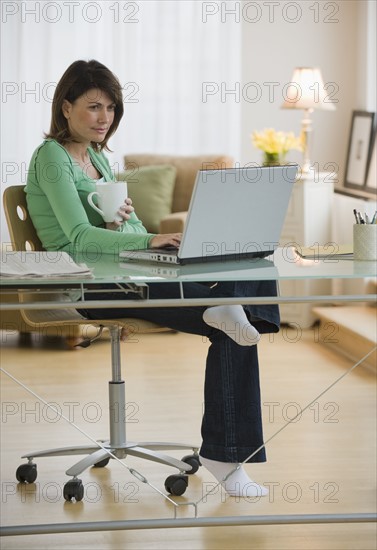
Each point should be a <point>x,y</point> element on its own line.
<point>165,53</point>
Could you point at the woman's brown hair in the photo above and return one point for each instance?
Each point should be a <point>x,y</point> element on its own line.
<point>79,78</point>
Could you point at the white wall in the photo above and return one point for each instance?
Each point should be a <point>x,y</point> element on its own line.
<point>298,35</point>
<point>367,48</point>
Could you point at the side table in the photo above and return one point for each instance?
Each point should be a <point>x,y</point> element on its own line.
<point>308,221</point>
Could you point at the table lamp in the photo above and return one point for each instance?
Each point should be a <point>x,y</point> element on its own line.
<point>306,91</point>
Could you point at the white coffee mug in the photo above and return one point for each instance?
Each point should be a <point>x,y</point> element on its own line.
<point>111,195</point>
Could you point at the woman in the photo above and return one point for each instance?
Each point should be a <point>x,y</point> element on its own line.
<point>86,111</point>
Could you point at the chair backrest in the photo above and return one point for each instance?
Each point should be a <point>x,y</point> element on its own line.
<point>24,237</point>
<point>21,229</point>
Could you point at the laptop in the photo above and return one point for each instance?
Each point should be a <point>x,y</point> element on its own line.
<point>234,214</point>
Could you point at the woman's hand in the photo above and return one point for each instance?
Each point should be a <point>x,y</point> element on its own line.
<point>124,212</point>
<point>168,239</point>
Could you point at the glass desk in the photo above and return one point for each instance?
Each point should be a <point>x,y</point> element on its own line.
<point>283,265</point>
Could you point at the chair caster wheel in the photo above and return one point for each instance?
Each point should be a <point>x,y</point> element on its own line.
<point>26,473</point>
<point>102,463</point>
<point>176,484</point>
<point>193,461</point>
<point>73,489</point>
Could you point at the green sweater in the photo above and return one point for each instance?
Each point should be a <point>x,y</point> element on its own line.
<point>57,190</point>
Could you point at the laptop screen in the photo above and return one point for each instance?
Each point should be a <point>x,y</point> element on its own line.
<point>237,211</point>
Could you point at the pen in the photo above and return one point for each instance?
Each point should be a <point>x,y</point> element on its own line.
<point>355,214</point>
<point>374,219</point>
<point>366,218</point>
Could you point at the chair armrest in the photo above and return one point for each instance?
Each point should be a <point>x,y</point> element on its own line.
<point>174,223</point>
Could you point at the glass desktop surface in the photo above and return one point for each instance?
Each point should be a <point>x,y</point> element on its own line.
<point>283,264</point>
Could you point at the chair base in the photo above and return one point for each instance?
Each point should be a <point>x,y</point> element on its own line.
<point>99,457</point>
<point>145,450</point>
<point>117,445</point>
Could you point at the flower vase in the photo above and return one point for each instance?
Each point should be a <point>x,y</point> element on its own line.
<point>272,159</point>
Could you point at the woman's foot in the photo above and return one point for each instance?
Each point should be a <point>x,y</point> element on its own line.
<point>238,484</point>
<point>234,322</point>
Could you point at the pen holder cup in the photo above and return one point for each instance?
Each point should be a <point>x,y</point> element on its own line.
<point>365,242</point>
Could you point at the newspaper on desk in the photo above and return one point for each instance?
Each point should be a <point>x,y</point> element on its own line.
<point>41,264</point>
<point>330,251</point>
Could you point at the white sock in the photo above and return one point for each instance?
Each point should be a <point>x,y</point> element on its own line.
<point>238,484</point>
<point>234,322</point>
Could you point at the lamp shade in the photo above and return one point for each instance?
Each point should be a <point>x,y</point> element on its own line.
<point>306,91</point>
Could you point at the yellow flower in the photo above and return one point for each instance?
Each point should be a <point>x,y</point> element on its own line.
<point>273,142</point>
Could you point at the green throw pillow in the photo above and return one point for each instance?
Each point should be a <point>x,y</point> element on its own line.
<point>151,190</point>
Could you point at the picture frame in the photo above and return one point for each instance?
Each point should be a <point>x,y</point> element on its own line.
<point>371,181</point>
<point>359,150</point>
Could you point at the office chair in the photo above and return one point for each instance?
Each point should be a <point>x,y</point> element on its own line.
<point>22,233</point>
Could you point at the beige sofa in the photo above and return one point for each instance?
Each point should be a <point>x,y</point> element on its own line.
<point>186,168</point>
<point>182,179</point>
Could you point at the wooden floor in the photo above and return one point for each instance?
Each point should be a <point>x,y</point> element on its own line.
<point>324,462</point>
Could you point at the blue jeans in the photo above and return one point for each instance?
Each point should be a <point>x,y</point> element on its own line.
<point>232,420</point>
